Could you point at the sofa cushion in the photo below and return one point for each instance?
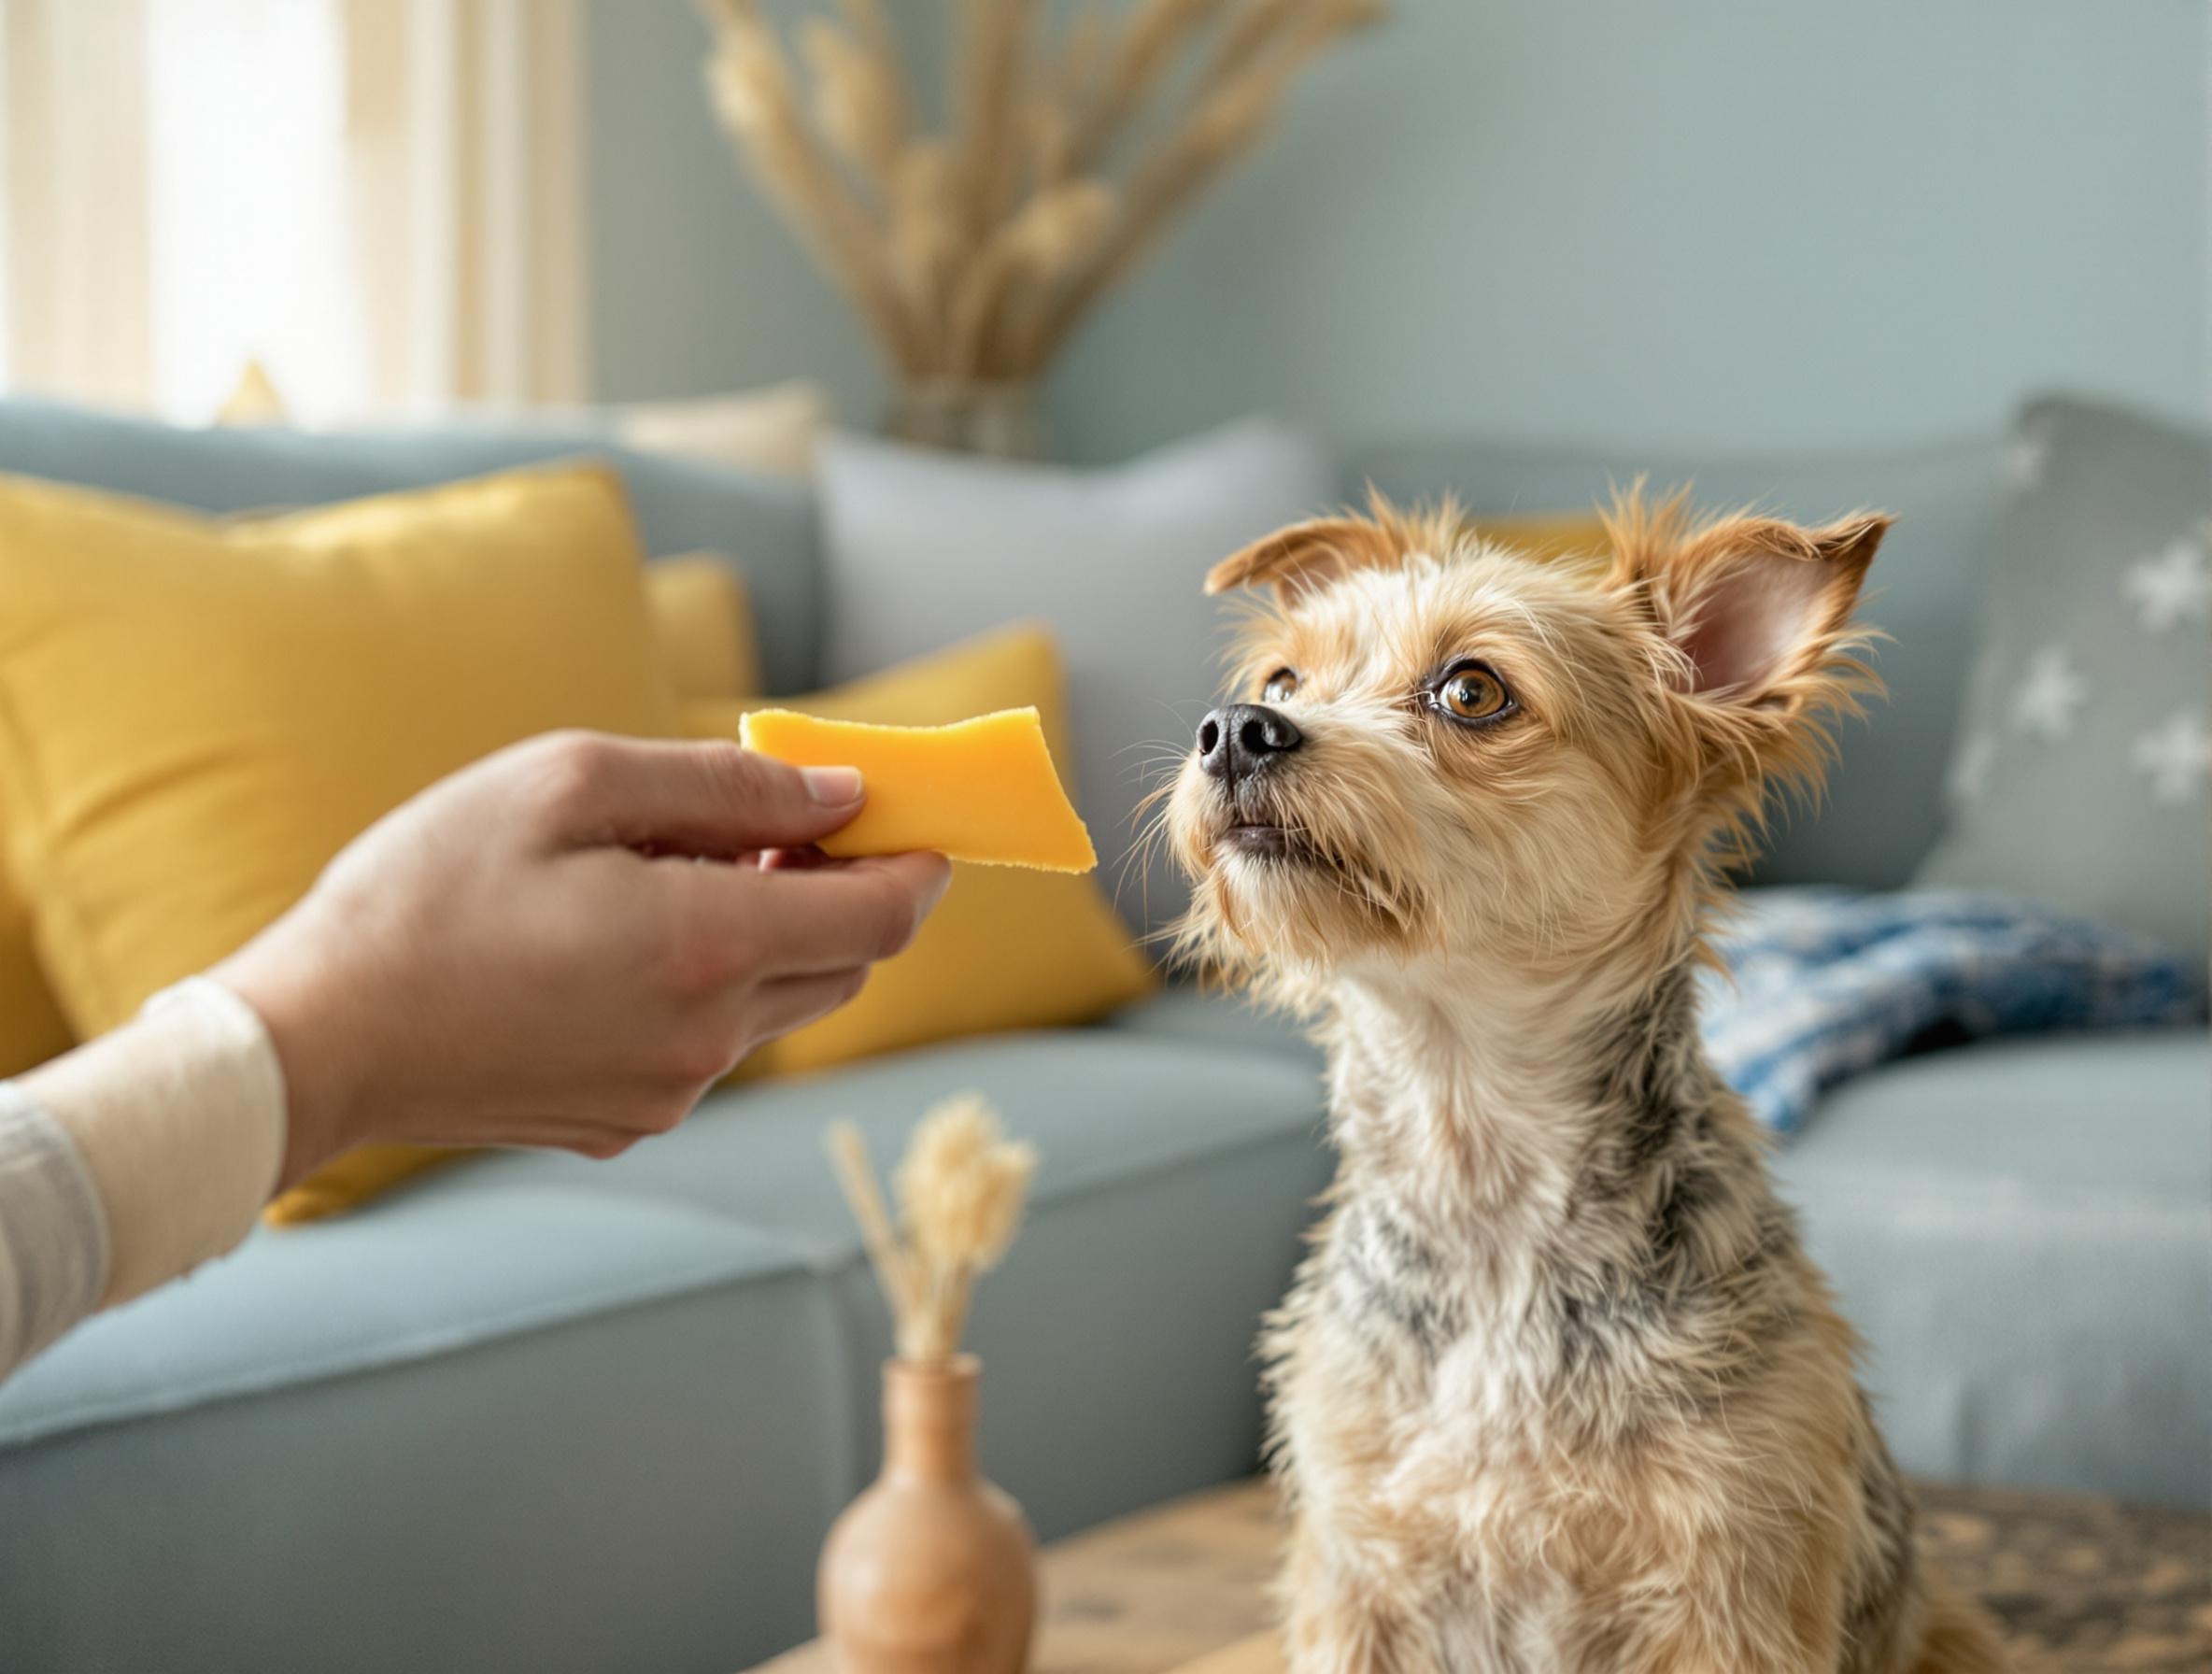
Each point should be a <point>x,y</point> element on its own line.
<point>2080,777</point>
<point>768,524</point>
<point>424,1277</point>
<point>556,1432</point>
<point>2022,1231</point>
<point>1185,1012</point>
<point>774,428</point>
<point>1098,1104</point>
<point>1884,802</point>
<point>411,1437</point>
<point>1136,1286</point>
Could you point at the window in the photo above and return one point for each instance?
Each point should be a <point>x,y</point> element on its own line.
<point>249,250</point>
<point>374,199</point>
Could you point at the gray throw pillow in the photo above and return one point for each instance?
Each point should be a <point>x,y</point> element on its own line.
<point>924,550</point>
<point>2078,778</point>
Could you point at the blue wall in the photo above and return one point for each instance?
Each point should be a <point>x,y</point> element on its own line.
<point>695,284</point>
<point>1711,224</point>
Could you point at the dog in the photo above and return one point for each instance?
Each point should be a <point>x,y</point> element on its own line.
<point>1556,1388</point>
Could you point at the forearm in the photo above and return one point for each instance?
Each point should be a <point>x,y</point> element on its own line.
<point>53,1231</point>
<point>133,1159</point>
<point>381,1007</point>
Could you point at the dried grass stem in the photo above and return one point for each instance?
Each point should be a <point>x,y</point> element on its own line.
<point>973,255</point>
<point>960,1190</point>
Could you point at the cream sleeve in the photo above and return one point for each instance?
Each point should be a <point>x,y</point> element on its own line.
<point>131,1160</point>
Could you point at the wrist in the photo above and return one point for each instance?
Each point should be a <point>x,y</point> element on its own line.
<point>321,1073</point>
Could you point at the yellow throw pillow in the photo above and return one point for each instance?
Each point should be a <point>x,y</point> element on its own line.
<point>31,1026</point>
<point>703,622</point>
<point>196,715</point>
<point>254,399</point>
<point>350,1181</point>
<point>1007,948</point>
<point>1544,535</point>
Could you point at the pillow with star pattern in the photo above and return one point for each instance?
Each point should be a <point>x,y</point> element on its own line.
<point>2078,777</point>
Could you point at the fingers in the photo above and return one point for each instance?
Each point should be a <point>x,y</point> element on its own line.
<point>795,1001</point>
<point>733,923</point>
<point>830,917</point>
<point>713,798</point>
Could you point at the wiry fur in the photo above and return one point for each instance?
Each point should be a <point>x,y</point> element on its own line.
<point>1557,1388</point>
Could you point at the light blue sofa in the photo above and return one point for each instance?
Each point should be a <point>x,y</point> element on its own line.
<point>540,1413</point>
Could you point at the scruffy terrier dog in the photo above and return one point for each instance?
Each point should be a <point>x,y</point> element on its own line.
<point>1558,1388</point>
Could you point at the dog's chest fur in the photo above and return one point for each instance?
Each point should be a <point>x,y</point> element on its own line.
<point>1549,1336</point>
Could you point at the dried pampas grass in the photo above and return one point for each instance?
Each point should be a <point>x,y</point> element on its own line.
<point>972,255</point>
<point>961,1188</point>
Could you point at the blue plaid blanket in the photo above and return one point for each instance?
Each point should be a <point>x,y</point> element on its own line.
<point>1824,984</point>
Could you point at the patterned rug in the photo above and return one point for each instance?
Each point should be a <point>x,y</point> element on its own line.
<point>2100,1587</point>
<point>2080,1585</point>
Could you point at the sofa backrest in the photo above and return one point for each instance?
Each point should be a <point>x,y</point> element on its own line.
<point>1884,802</point>
<point>764,525</point>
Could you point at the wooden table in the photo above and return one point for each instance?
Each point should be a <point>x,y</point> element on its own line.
<point>2099,1587</point>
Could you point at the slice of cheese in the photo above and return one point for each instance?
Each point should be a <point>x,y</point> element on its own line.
<point>980,790</point>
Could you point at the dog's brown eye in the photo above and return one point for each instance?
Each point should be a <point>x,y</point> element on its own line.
<point>1281,685</point>
<point>1471,692</point>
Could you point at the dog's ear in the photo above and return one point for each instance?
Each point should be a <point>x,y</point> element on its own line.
<point>1759,609</point>
<point>1305,555</point>
<point>1760,649</point>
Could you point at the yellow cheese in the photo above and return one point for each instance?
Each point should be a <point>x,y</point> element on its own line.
<point>980,790</point>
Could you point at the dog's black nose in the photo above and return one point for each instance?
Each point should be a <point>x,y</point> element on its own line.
<point>1238,739</point>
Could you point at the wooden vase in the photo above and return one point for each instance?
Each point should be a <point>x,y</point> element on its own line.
<point>933,1570</point>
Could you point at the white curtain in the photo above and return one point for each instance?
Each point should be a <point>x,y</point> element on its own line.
<point>76,233</point>
<point>376,200</point>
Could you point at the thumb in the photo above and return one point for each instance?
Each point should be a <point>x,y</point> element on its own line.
<point>710,798</point>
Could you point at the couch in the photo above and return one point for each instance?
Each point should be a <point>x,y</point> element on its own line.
<point>542,1412</point>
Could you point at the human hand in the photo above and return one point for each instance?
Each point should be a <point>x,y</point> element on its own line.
<point>566,945</point>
